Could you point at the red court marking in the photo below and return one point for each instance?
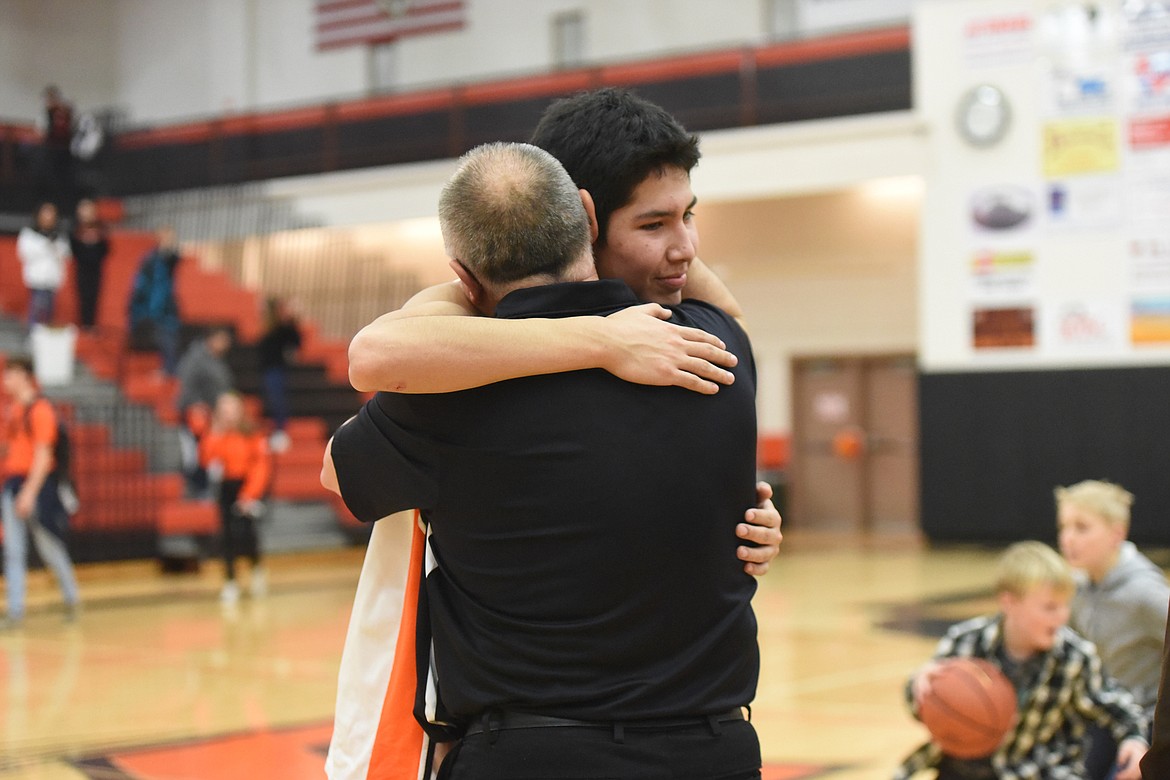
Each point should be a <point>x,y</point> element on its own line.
<point>290,754</point>
<point>791,771</point>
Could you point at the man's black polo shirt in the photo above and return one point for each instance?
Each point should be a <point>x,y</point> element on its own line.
<point>584,528</point>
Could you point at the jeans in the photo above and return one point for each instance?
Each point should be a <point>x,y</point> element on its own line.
<point>166,336</point>
<point>275,395</point>
<point>50,547</point>
<point>41,304</point>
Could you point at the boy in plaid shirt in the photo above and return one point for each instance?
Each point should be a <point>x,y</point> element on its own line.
<point>1057,674</point>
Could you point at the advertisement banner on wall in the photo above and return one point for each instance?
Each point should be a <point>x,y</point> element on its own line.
<point>1149,323</point>
<point>1147,79</point>
<point>1145,25</point>
<point>998,41</point>
<point>997,275</point>
<point>1085,327</point>
<point>1074,147</point>
<point>1007,327</point>
<point>1149,263</point>
<point>1086,203</point>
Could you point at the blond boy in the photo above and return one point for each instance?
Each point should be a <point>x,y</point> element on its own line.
<point>1121,599</point>
<point>1057,675</point>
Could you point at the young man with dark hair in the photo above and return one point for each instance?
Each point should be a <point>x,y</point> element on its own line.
<point>635,160</point>
<point>29,502</point>
<point>556,645</point>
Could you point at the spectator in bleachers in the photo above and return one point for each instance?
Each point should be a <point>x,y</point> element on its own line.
<point>30,502</point>
<point>204,376</point>
<point>237,454</point>
<point>42,249</point>
<point>154,311</point>
<point>275,351</point>
<point>55,126</point>
<point>90,245</point>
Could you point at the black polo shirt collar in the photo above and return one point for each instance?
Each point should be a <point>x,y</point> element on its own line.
<point>566,299</point>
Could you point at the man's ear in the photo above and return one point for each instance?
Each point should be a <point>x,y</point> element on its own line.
<point>591,210</point>
<point>471,286</point>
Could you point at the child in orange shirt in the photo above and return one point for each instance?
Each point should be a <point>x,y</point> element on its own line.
<point>239,454</point>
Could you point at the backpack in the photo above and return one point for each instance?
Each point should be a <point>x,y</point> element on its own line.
<point>62,456</point>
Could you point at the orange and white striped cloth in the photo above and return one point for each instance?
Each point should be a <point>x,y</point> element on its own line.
<point>375,734</point>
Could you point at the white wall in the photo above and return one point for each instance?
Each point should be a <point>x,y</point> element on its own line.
<point>821,274</point>
<point>63,42</point>
<point>170,60</point>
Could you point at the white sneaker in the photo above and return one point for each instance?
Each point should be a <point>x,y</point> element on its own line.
<point>230,593</point>
<point>258,586</point>
<point>278,442</point>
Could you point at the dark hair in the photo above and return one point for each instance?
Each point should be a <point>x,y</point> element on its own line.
<point>511,212</point>
<point>21,362</point>
<point>610,141</point>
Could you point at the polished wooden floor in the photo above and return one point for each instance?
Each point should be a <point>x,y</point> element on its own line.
<point>156,680</point>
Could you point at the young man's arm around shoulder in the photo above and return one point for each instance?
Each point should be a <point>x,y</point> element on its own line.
<point>436,344</point>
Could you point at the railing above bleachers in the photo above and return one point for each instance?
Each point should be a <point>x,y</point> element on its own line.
<point>840,75</point>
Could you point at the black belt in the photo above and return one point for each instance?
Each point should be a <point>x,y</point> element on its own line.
<point>503,720</point>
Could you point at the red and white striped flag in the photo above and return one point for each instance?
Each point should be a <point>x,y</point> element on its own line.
<point>355,22</point>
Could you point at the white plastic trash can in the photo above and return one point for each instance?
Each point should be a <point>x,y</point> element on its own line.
<point>53,353</point>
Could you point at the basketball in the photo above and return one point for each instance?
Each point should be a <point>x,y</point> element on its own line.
<point>970,707</point>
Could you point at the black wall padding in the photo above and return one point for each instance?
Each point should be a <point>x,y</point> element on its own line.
<point>995,444</point>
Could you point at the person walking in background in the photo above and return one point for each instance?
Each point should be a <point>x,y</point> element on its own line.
<point>90,245</point>
<point>56,124</point>
<point>1121,599</point>
<point>275,351</point>
<point>203,376</point>
<point>237,454</point>
<point>154,311</point>
<point>30,502</point>
<point>42,250</point>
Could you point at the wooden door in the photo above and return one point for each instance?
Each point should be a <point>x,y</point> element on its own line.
<point>855,444</point>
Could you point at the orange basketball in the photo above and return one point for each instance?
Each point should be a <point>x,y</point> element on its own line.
<point>970,708</point>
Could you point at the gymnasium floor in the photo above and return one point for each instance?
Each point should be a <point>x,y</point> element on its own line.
<point>157,682</point>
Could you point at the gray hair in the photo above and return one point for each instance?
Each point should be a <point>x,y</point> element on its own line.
<point>511,212</point>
